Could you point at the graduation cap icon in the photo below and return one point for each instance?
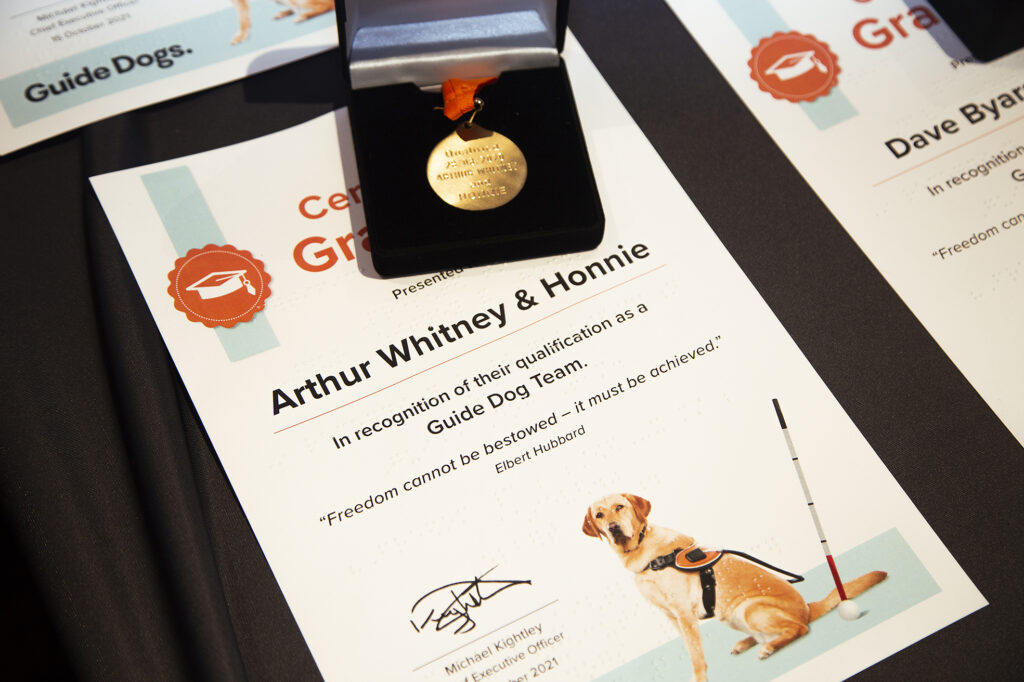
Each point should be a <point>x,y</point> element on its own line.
<point>217,284</point>
<point>795,64</point>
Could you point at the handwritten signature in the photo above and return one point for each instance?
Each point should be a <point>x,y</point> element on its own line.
<point>464,596</point>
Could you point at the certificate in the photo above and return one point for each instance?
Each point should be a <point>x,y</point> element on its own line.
<point>916,148</point>
<point>592,466</point>
<point>66,64</point>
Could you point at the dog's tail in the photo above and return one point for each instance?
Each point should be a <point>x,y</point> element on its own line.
<point>853,588</point>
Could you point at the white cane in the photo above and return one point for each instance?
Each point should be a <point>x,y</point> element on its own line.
<point>848,610</point>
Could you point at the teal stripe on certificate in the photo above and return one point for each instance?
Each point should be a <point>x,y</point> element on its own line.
<point>757,19</point>
<point>190,225</point>
<point>182,209</point>
<point>145,58</point>
<point>908,584</point>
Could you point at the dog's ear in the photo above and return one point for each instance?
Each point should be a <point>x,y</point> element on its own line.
<point>589,527</point>
<point>641,506</point>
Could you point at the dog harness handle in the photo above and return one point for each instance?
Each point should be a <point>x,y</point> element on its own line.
<point>694,559</point>
<point>793,577</point>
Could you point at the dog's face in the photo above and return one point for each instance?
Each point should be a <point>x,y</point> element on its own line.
<point>618,519</point>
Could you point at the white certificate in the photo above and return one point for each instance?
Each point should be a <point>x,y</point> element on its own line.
<point>531,470</point>
<point>915,148</point>
<point>66,64</point>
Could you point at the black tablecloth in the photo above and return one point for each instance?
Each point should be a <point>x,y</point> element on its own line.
<point>126,554</point>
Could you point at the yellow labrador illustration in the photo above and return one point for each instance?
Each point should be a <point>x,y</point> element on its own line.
<point>689,583</point>
<point>307,9</point>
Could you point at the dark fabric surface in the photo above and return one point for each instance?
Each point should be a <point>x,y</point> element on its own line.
<point>127,555</point>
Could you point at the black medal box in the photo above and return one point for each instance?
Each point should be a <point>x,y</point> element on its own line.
<point>396,124</point>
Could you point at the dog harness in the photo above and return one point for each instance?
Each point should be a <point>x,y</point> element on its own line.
<point>693,559</point>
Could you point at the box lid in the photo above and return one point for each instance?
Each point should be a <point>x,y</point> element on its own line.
<point>428,41</point>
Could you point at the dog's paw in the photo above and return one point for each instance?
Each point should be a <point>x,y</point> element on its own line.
<point>743,645</point>
<point>284,13</point>
<point>766,651</point>
<point>239,37</point>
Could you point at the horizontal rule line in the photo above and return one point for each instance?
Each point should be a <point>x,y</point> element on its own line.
<point>514,620</point>
<point>37,9</point>
<point>948,151</point>
<point>471,350</point>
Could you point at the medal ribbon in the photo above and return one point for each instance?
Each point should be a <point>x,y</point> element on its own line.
<point>459,94</point>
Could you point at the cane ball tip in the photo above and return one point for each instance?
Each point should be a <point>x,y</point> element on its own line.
<point>848,610</point>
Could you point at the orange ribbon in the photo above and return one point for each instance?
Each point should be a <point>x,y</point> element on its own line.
<point>459,94</point>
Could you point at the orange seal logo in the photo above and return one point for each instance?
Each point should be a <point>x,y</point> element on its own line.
<point>219,286</point>
<point>794,66</point>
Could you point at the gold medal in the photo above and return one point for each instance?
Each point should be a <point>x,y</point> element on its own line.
<point>473,168</point>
